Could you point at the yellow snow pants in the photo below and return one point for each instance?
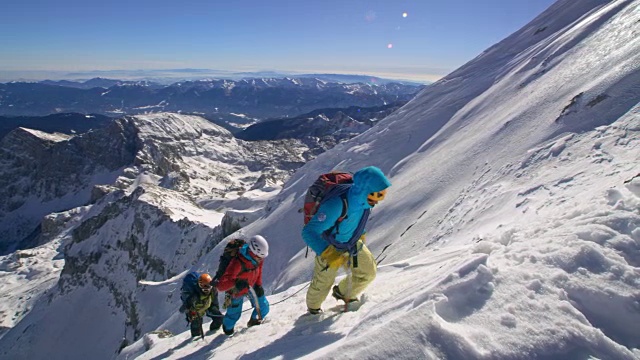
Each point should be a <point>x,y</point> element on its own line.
<point>323,278</point>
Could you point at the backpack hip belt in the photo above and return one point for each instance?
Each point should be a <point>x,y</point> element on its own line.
<point>350,245</point>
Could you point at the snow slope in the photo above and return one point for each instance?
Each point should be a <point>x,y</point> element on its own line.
<point>513,219</point>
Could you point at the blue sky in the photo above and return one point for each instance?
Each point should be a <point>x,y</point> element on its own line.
<point>337,36</point>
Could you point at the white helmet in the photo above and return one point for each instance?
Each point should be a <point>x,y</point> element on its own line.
<point>259,246</point>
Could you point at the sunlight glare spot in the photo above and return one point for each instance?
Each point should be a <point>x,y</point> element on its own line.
<point>404,14</point>
<point>389,45</point>
<point>370,16</point>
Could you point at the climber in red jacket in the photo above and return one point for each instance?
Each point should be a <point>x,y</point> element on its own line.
<point>244,271</point>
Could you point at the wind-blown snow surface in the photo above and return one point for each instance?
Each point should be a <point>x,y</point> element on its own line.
<point>513,220</point>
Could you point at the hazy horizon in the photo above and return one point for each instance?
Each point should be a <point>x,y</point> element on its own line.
<point>192,74</point>
<point>421,41</point>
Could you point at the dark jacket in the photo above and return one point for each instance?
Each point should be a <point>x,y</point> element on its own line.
<point>200,302</point>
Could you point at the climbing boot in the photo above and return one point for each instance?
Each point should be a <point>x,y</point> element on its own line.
<point>338,295</point>
<point>314,311</point>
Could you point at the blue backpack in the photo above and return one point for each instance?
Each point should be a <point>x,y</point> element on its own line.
<point>189,287</point>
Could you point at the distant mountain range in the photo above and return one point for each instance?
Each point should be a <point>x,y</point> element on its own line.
<point>98,82</point>
<point>257,97</point>
<point>170,76</point>
<point>337,123</point>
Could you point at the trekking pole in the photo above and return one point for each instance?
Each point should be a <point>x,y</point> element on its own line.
<point>255,303</point>
<point>349,281</point>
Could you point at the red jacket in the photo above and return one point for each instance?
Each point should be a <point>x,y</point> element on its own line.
<point>240,268</point>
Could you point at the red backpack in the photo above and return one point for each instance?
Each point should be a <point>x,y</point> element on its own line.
<point>326,186</point>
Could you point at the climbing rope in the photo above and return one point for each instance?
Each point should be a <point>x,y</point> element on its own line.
<point>283,300</point>
<point>306,286</point>
<point>377,259</point>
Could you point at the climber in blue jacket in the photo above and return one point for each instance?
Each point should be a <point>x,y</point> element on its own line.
<point>339,241</point>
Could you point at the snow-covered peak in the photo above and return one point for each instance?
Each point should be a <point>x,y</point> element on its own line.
<point>56,137</point>
<point>170,125</point>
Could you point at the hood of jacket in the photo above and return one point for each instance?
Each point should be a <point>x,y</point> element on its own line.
<point>366,180</point>
<point>244,251</point>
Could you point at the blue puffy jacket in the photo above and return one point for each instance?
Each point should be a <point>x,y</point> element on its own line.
<point>367,180</point>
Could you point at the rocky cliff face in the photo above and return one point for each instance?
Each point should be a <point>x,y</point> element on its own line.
<point>198,158</point>
<point>151,234</point>
<point>44,173</point>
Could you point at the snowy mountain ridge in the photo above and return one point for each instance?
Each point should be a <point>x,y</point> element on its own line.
<point>511,230</point>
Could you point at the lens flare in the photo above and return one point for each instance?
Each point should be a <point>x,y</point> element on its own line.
<point>404,14</point>
<point>389,46</point>
<point>370,16</point>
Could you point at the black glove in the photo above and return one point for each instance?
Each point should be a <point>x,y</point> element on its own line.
<point>241,284</point>
<point>259,290</point>
<point>214,283</point>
